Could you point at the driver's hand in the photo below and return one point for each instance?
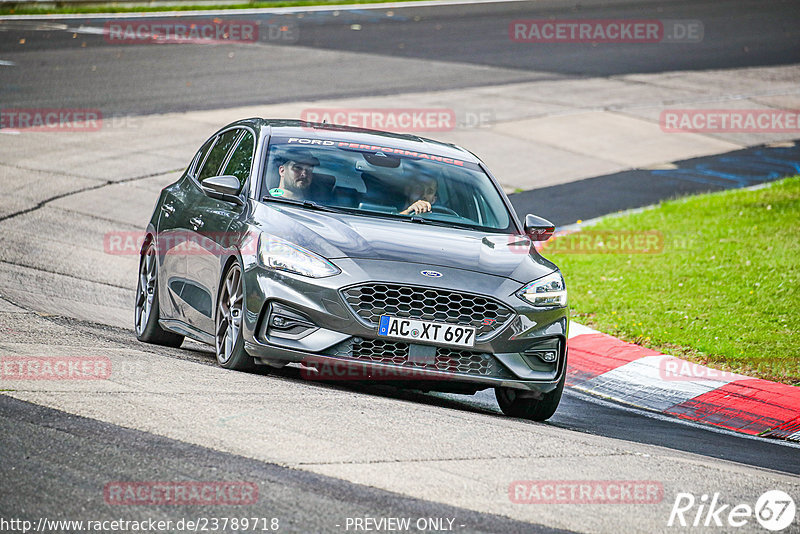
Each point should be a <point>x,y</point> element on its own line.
<point>420,206</point>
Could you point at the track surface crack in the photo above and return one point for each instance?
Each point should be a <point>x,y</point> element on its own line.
<point>106,183</point>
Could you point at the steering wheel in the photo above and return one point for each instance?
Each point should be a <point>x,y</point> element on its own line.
<point>443,210</point>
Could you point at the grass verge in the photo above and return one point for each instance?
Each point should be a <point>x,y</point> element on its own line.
<point>203,7</point>
<point>722,292</point>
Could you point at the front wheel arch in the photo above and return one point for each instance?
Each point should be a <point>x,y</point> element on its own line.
<point>229,319</point>
<point>542,409</point>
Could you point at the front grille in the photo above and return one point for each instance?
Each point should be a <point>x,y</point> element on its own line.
<point>463,361</point>
<point>370,301</point>
<point>378,350</point>
<point>396,353</point>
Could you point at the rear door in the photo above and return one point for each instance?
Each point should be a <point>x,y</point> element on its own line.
<point>171,238</point>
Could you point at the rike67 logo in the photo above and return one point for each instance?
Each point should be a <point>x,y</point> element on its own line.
<point>774,510</point>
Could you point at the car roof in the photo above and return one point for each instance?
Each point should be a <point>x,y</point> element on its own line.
<point>334,132</point>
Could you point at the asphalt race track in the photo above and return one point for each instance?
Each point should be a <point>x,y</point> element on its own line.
<point>593,197</point>
<point>322,453</point>
<point>387,55</point>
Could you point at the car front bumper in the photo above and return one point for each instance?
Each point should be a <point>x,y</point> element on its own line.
<point>333,346</point>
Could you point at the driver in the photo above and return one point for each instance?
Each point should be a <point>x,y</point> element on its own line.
<point>420,195</point>
<point>297,173</point>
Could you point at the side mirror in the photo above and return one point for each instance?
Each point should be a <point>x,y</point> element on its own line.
<point>223,188</point>
<point>538,229</point>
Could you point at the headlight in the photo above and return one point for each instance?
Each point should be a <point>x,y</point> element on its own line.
<point>281,255</point>
<point>546,291</point>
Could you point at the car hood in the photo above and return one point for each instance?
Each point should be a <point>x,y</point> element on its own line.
<point>335,235</point>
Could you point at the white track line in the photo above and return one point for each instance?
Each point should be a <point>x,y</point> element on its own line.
<point>256,11</point>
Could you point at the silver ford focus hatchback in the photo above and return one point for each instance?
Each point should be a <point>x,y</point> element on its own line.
<point>359,255</point>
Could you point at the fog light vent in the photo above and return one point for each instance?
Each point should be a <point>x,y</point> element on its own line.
<point>283,322</point>
<point>546,351</point>
<point>548,356</point>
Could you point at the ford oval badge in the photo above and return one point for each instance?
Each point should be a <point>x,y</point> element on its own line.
<point>431,274</point>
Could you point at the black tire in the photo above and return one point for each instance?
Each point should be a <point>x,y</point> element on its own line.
<point>228,338</point>
<point>528,408</point>
<point>146,309</point>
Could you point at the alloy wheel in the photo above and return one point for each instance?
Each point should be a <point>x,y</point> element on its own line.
<point>229,315</point>
<point>146,290</point>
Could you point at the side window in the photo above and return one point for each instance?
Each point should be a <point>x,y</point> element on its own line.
<point>217,154</point>
<point>201,155</point>
<point>241,159</point>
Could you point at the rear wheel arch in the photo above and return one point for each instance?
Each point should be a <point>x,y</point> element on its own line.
<point>148,238</point>
<point>146,308</point>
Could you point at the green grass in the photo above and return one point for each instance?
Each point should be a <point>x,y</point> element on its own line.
<point>723,292</point>
<point>110,8</point>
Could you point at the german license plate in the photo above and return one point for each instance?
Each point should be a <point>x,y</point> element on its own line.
<point>426,331</point>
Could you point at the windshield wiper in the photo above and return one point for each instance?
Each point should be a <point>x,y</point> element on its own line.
<point>308,204</point>
<point>420,220</point>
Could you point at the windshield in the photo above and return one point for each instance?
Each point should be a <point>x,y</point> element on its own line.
<point>383,181</point>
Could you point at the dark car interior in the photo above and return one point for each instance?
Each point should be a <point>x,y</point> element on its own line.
<point>376,183</point>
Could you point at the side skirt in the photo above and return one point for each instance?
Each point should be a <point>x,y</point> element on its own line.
<point>179,327</point>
